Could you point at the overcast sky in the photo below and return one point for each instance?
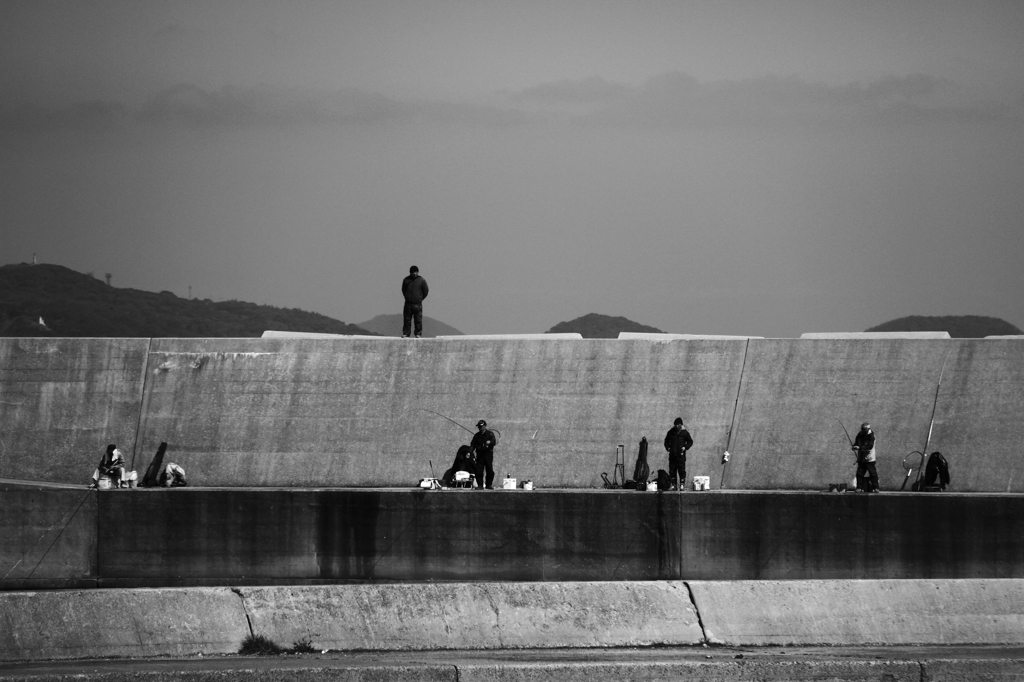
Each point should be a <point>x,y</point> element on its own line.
<point>768,168</point>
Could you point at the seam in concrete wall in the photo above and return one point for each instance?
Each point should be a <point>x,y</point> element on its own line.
<point>142,403</point>
<point>696,610</point>
<point>245,610</point>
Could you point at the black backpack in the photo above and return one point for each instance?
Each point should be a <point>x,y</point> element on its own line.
<point>664,482</point>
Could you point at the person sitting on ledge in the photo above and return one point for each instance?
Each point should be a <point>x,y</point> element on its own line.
<point>172,476</point>
<point>111,467</point>
<point>463,462</point>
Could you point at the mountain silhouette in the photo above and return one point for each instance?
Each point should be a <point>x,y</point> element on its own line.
<point>52,300</point>
<point>391,325</point>
<point>595,326</point>
<point>958,326</point>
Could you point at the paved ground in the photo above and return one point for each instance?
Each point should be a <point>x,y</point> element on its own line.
<point>591,665</point>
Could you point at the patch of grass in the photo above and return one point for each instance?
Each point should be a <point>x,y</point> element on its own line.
<point>303,646</point>
<point>259,645</point>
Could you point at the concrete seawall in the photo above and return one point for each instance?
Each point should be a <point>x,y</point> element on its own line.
<point>457,616</point>
<point>365,412</point>
<point>59,538</point>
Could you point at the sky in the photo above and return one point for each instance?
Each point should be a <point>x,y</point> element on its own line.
<point>763,168</point>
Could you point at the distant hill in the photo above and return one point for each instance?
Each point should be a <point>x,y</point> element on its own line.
<point>958,326</point>
<point>73,304</point>
<point>595,326</point>
<point>391,325</point>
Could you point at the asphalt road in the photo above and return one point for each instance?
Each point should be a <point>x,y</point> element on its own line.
<point>590,665</point>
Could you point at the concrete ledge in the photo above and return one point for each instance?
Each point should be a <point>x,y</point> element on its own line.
<point>476,615</point>
<point>512,616</point>
<point>861,612</point>
<point>129,623</point>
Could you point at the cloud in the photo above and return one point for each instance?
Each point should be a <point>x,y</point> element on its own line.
<point>678,99</point>
<point>237,107</point>
<point>673,100</point>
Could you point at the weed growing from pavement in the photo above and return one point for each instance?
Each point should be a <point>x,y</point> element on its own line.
<point>261,645</point>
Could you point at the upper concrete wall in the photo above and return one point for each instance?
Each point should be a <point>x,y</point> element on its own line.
<point>369,412</point>
<point>63,400</point>
<point>361,412</point>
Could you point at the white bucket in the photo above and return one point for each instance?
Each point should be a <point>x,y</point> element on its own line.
<point>527,485</point>
<point>701,482</point>
<point>103,483</point>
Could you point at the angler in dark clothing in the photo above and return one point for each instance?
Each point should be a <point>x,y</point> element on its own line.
<point>483,447</point>
<point>864,446</point>
<point>677,442</point>
<point>415,289</point>
<point>463,462</point>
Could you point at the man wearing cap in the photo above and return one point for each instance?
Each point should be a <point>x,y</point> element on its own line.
<point>677,442</point>
<point>415,289</point>
<point>483,446</point>
<point>864,446</point>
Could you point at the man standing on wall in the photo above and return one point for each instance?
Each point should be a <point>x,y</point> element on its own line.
<point>415,289</point>
<point>483,446</point>
<point>677,442</point>
<point>864,446</point>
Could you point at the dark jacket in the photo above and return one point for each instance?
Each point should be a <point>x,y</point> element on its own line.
<point>864,443</point>
<point>678,442</point>
<point>415,289</point>
<point>483,442</point>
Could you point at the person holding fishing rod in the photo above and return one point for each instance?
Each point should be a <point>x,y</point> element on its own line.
<point>483,447</point>
<point>864,446</point>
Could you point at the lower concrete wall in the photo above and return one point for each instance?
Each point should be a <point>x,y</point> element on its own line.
<point>862,612</point>
<point>131,623</point>
<point>47,536</point>
<point>477,615</point>
<point>59,538</point>
<point>230,537</point>
<point>97,623</point>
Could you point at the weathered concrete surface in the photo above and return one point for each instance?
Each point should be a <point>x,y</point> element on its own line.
<point>63,400</point>
<point>978,424</point>
<point>47,536</point>
<point>741,535</point>
<point>366,412</point>
<point>794,391</point>
<point>194,536</point>
<point>861,612</point>
<point>503,617</point>
<point>95,623</point>
<point>362,412</point>
<point>476,615</point>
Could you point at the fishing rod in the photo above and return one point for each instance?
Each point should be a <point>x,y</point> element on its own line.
<point>847,433</point>
<point>447,419</point>
<point>496,432</point>
<point>931,421</point>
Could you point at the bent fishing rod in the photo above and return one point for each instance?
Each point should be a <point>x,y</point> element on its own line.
<point>496,432</point>
<point>847,434</point>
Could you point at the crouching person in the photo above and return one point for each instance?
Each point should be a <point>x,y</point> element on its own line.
<point>172,476</point>
<point>111,468</point>
<point>463,462</point>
